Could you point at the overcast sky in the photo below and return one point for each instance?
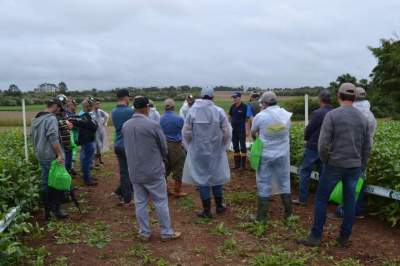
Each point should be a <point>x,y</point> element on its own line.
<point>106,44</point>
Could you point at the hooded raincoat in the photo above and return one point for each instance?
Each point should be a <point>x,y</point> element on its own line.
<point>101,118</point>
<point>273,176</point>
<point>365,108</point>
<point>208,134</point>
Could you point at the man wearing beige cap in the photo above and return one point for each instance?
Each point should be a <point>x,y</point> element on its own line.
<point>344,146</point>
<point>172,125</point>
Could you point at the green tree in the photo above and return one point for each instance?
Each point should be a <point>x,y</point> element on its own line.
<point>62,87</point>
<point>13,90</point>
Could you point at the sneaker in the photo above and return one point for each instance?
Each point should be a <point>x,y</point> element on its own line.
<point>343,241</point>
<point>334,216</point>
<point>144,238</point>
<point>174,236</point>
<point>310,241</point>
<point>298,202</point>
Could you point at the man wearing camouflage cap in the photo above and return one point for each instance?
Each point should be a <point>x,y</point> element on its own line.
<point>344,146</point>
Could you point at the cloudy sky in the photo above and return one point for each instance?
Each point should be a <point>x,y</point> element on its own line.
<point>105,44</point>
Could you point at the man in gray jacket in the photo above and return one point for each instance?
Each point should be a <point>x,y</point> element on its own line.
<point>146,150</point>
<point>47,148</point>
<point>344,146</point>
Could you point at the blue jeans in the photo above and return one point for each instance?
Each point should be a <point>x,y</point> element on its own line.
<point>86,156</point>
<point>205,192</point>
<point>310,158</point>
<point>44,177</point>
<point>328,180</point>
<point>68,160</point>
<point>124,189</point>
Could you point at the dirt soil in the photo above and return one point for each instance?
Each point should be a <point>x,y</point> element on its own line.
<point>226,240</point>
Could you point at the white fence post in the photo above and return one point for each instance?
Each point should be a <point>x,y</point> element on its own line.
<point>306,109</point>
<point>25,133</point>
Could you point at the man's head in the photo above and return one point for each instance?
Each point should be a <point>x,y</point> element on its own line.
<point>151,104</point>
<point>361,94</point>
<point>141,105</point>
<point>207,93</point>
<point>169,104</point>
<point>71,105</point>
<point>53,105</point>
<point>347,93</point>
<point>324,97</point>
<point>190,100</point>
<point>97,103</point>
<point>236,97</point>
<point>268,99</point>
<point>255,96</point>
<point>87,106</point>
<point>123,96</point>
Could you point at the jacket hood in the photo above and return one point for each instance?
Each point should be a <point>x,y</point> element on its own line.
<point>362,104</point>
<point>40,118</point>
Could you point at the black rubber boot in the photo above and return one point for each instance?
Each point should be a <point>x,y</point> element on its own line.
<point>310,241</point>
<point>343,241</point>
<point>262,207</point>
<point>206,213</point>
<point>46,204</point>
<point>237,161</point>
<point>287,203</point>
<point>243,162</point>
<point>220,207</point>
<point>55,199</point>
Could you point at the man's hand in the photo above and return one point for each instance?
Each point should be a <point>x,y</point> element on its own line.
<point>60,159</point>
<point>70,125</point>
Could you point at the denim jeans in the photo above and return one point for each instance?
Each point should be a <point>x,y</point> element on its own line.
<point>68,160</point>
<point>125,187</point>
<point>157,192</point>
<point>44,177</point>
<point>310,158</point>
<point>328,180</point>
<point>205,192</point>
<point>86,156</point>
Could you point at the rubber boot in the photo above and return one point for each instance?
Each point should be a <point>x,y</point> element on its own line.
<point>46,204</point>
<point>243,163</point>
<point>287,203</point>
<point>206,213</point>
<point>262,207</point>
<point>178,186</point>
<point>220,207</point>
<point>237,161</point>
<point>55,199</point>
<point>100,159</point>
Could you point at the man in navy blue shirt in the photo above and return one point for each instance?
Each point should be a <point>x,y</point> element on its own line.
<point>238,116</point>
<point>311,155</point>
<point>172,125</point>
<point>120,114</point>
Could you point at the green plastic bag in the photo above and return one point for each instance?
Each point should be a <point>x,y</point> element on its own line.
<point>337,193</point>
<point>59,177</point>
<point>255,154</point>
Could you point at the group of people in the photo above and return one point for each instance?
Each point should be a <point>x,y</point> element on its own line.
<point>192,148</point>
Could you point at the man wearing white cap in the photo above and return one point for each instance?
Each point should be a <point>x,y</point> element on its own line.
<point>208,134</point>
<point>272,125</point>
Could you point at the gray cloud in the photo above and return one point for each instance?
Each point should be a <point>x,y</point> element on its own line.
<point>106,44</point>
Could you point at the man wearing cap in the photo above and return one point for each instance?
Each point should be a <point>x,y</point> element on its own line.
<point>310,155</point>
<point>146,150</point>
<point>186,106</point>
<point>272,125</point>
<point>253,108</point>
<point>87,128</point>
<point>208,134</point>
<point>46,140</point>
<point>362,105</point>
<point>344,146</point>
<point>172,125</point>
<point>119,115</point>
<point>238,115</point>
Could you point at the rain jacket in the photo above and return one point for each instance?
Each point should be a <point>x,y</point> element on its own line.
<point>101,118</point>
<point>208,134</point>
<point>273,176</point>
<point>45,134</point>
<point>154,115</point>
<point>365,108</point>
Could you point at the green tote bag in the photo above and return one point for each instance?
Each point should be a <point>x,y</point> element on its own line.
<point>59,178</point>
<point>255,154</point>
<point>337,193</point>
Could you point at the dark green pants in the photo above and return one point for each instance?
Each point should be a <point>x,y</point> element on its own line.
<point>175,160</point>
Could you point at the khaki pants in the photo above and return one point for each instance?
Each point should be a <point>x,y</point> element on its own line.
<point>175,160</point>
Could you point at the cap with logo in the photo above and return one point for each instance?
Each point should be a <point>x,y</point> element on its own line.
<point>236,95</point>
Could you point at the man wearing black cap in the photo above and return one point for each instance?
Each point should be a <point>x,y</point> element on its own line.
<point>120,114</point>
<point>344,145</point>
<point>311,155</point>
<point>146,149</point>
<point>46,140</point>
<point>238,115</point>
